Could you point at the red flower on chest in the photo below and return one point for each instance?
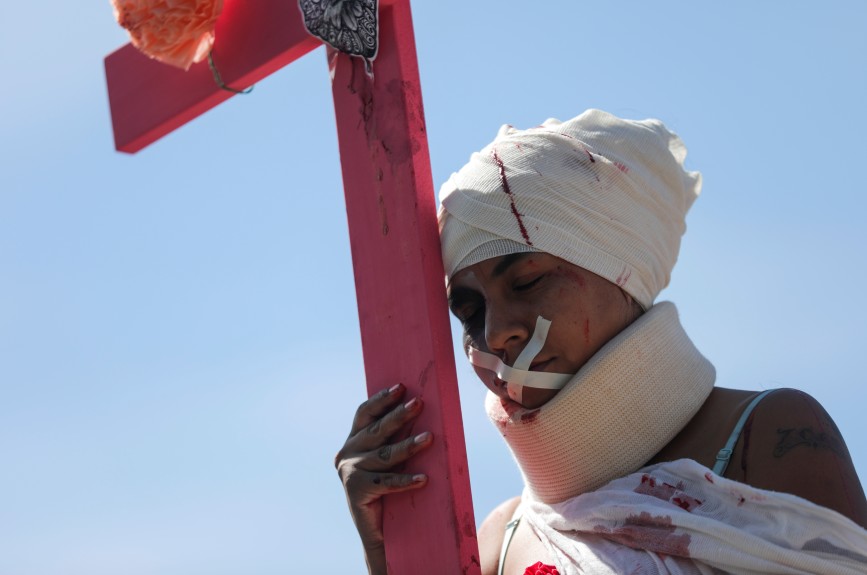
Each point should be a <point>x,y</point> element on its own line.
<point>540,569</point>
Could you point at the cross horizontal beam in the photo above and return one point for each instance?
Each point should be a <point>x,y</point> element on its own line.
<point>149,99</point>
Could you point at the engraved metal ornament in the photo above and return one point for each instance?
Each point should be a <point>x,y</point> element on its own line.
<point>350,26</point>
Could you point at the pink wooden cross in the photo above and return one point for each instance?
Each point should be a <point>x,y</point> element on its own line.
<point>393,234</point>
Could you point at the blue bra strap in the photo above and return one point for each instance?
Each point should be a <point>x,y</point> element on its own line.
<point>725,454</point>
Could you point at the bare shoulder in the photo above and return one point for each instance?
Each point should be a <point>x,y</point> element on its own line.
<point>792,445</point>
<point>491,532</point>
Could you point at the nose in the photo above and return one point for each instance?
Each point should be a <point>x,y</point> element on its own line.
<point>506,332</point>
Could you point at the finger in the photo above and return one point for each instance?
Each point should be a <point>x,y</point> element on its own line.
<point>387,456</point>
<point>367,486</point>
<point>381,430</point>
<point>375,407</point>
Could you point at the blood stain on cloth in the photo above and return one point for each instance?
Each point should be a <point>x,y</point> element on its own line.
<point>667,492</point>
<point>709,477</point>
<point>686,502</point>
<point>502,168</point>
<point>648,532</point>
<point>622,167</point>
<point>743,497</point>
<point>661,490</point>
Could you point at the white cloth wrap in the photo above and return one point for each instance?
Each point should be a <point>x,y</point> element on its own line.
<point>626,403</point>
<point>606,194</point>
<point>679,518</point>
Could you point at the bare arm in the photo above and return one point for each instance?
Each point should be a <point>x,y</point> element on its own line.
<point>792,445</point>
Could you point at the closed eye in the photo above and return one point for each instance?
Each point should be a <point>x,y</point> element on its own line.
<point>470,316</point>
<point>474,328</point>
<point>467,305</point>
<point>527,285</point>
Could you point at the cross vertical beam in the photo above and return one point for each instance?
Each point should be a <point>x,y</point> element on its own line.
<point>401,298</point>
<point>393,234</point>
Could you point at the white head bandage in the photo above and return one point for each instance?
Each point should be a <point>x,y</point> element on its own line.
<point>606,194</point>
<point>517,377</point>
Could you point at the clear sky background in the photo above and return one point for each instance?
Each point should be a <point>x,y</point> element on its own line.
<point>179,346</point>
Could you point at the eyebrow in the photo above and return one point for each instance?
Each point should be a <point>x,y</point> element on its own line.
<point>507,262</point>
<point>458,296</point>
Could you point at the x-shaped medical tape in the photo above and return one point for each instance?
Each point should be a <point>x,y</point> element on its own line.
<point>517,377</point>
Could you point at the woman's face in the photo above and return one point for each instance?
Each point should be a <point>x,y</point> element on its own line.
<point>498,301</point>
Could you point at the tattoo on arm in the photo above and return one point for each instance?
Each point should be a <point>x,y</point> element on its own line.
<point>806,436</point>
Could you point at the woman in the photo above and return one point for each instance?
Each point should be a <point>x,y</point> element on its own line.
<point>556,241</point>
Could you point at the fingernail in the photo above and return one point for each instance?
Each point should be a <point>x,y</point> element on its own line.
<point>393,388</point>
<point>421,437</point>
<point>418,478</point>
<point>411,403</point>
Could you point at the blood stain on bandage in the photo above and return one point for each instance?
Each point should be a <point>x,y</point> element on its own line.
<point>502,168</point>
<point>530,417</point>
<point>583,147</point>
<point>510,407</point>
<point>623,278</point>
<point>709,477</point>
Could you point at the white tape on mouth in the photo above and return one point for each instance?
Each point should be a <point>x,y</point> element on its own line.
<point>518,376</point>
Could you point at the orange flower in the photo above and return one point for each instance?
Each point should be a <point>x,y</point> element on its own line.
<point>177,32</point>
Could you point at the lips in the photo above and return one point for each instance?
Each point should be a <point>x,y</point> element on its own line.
<point>541,365</point>
<point>499,389</point>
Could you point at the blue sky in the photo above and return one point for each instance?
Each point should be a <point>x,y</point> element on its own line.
<point>179,348</point>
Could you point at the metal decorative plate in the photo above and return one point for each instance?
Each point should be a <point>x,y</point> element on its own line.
<point>351,26</point>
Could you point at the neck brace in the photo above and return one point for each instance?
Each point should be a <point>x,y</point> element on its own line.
<point>624,405</point>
